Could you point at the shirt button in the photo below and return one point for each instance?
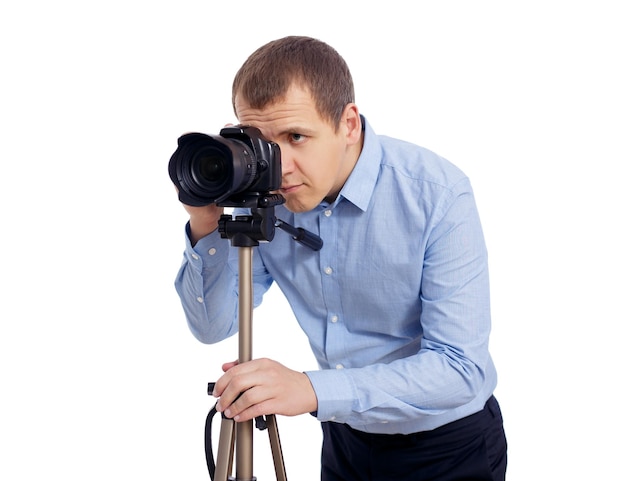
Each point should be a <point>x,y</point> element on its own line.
<point>339,366</point>
<point>328,212</point>
<point>195,256</point>
<point>212,251</point>
<point>200,300</point>
<point>328,270</point>
<point>334,319</point>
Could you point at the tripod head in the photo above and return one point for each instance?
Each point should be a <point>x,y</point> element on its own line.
<point>260,226</point>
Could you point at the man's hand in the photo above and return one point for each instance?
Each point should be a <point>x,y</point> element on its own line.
<point>261,387</point>
<point>202,220</point>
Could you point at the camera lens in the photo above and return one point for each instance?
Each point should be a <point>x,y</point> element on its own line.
<point>211,168</point>
<point>208,169</point>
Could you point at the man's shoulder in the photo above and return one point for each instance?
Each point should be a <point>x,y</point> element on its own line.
<point>412,161</point>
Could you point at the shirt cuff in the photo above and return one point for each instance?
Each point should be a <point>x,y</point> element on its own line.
<point>336,394</point>
<point>211,250</point>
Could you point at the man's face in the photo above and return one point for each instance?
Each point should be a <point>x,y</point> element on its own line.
<point>316,159</point>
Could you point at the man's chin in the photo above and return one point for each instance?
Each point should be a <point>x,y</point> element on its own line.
<point>297,207</point>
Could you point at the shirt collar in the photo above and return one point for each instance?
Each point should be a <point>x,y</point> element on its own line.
<point>359,187</point>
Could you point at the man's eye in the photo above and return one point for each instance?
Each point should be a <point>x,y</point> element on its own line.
<point>297,138</point>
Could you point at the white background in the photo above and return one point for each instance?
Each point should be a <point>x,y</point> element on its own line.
<point>100,378</point>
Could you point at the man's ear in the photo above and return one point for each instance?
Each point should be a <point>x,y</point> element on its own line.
<point>352,122</point>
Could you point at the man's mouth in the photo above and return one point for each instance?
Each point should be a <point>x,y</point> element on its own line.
<point>287,189</point>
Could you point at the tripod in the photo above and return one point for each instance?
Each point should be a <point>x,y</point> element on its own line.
<point>245,232</point>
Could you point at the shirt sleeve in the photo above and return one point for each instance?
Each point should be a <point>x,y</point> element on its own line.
<point>207,284</point>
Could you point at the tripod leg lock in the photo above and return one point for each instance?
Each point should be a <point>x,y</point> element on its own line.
<point>260,423</point>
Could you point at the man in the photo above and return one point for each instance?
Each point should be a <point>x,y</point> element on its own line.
<point>396,303</point>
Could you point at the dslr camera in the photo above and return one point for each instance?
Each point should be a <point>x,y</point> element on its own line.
<point>237,168</point>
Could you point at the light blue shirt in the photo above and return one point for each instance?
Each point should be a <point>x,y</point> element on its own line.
<point>395,304</point>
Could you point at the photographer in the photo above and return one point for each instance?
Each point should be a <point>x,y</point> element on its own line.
<point>396,303</point>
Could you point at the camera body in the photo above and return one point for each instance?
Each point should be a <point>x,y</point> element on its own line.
<point>232,169</point>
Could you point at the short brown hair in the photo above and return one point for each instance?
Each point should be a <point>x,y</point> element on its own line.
<point>268,73</point>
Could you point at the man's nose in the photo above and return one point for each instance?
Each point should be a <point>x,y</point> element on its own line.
<point>286,162</point>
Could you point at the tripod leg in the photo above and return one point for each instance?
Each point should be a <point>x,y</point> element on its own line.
<point>277,451</point>
<point>244,450</point>
<point>225,450</point>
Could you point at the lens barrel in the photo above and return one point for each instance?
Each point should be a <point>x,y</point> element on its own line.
<point>208,169</point>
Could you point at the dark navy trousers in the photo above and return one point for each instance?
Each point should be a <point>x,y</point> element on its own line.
<point>472,448</point>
